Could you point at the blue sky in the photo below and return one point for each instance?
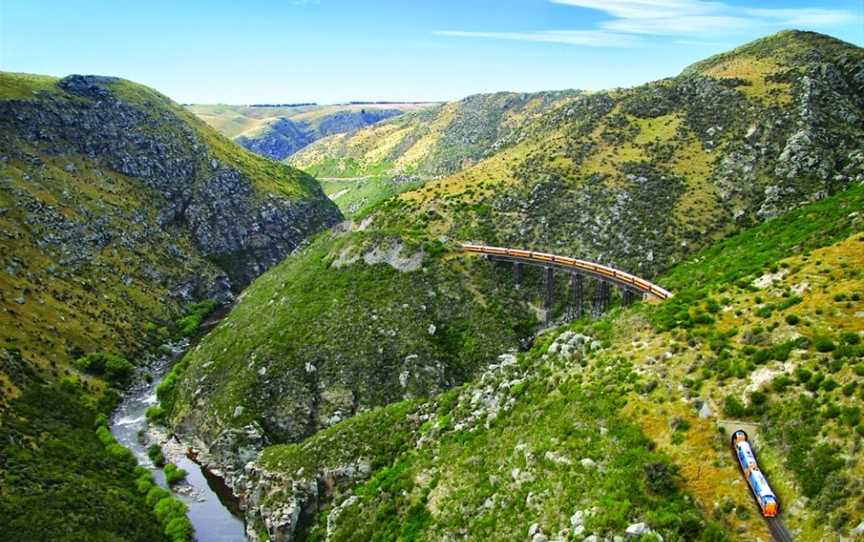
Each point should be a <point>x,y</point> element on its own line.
<point>337,50</point>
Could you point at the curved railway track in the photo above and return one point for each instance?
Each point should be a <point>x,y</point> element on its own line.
<point>602,272</point>
<point>779,532</point>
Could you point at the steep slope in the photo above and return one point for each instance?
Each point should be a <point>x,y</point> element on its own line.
<point>363,168</point>
<point>613,427</point>
<point>355,321</point>
<point>118,208</point>
<point>641,177</point>
<point>277,132</point>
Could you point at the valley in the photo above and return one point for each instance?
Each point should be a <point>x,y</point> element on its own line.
<point>296,306</point>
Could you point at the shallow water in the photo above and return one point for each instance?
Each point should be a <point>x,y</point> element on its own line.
<point>213,510</point>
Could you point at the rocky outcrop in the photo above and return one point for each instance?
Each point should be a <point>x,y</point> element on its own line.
<point>235,219</point>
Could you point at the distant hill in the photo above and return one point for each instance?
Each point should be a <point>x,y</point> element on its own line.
<point>279,130</point>
<point>359,169</point>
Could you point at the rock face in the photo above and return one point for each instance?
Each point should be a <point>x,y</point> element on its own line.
<point>216,196</point>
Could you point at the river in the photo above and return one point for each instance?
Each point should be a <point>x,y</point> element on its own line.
<point>213,510</point>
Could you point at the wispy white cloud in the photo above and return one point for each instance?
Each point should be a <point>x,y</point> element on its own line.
<point>590,38</point>
<point>805,16</point>
<point>630,19</point>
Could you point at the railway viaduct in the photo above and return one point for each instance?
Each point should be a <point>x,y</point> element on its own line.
<point>631,286</point>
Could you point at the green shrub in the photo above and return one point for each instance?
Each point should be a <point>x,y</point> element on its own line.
<point>780,383</point>
<point>758,398</point>
<point>155,413</point>
<point>733,407</point>
<point>815,382</point>
<point>168,507</point>
<point>792,319</point>
<point>662,478</point>
<point>120,452</point>
<point>188,325</point>
<point>174,474</point>
<point>851,338</point>
<point>105,436</point>
<point>155,495</point>
<point>115,369</point>
<point>154,452</point>
<point>179,529</point>
<point>830,384</point>
<point>824,344</point>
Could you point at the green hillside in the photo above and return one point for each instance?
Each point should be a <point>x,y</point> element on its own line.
<point>606,424</point>
<point>118,210</point>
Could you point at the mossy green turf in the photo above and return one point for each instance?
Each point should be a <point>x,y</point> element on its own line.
<point>357,198</point>
<point>356,325</point>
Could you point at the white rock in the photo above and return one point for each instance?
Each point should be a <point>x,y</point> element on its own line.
<point>705,411</point>
<point>859,530</point>
<point>431,329</point>
<point>533,529</point>
<point>588,463</point>
<point>577,519</point>
<point>637,529</point>
<point>238,411</point>
<point>557,458</point>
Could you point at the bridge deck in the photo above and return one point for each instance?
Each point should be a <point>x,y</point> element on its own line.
<point>600,271</point>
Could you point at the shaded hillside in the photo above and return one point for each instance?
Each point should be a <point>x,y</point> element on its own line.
<point>118,208</point>
<point>278,132</point>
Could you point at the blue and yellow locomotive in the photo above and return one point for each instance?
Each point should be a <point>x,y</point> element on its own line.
<point>763,493</point>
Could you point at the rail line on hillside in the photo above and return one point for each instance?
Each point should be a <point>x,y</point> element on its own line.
<point>620,278</point>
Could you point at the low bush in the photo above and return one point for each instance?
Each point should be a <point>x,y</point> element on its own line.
<point>824,344</point>
<point>115,369</point>
<point>154,452</point>
<point>174,474</point>
<point>188,325</point>
<point>733,407</point>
